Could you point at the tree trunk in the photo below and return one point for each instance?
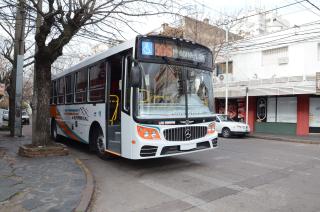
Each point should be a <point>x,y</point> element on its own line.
<point>41,128</point>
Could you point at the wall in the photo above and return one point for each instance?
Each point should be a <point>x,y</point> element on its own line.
<point>252,111</point>
<point>303,60</point>
<point>276,128</point>
<point>303,115</point>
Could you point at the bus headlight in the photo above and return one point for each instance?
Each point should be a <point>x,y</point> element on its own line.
<point>211,128</point>
<point>148,132</point>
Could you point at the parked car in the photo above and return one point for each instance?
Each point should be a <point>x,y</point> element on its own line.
<point>25,118</point>
<point>227,127</point>
<point>5,115</point>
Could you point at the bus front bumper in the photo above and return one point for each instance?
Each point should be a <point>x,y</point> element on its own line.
<point>157,149</point>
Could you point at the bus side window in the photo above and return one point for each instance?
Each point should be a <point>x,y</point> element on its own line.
<point>69,88</point>
<point>55,92</point>
<point>81,86</point>
<point>97,82</point>
<point>61,90</point>
<point>51,92</point>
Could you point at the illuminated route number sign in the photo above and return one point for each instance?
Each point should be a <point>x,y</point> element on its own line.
<point>154,49</point>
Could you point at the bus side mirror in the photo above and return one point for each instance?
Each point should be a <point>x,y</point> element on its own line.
<point>135,77</point>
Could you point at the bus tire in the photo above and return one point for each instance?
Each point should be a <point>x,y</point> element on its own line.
<point>226,133</point>
<point>54,130</point>
<point>99,146</point>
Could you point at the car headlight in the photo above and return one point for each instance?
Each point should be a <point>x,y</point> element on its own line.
<point>211,128</point>
<point>149,133</point>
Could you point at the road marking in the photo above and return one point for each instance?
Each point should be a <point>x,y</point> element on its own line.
<point>221,183</point>
<point>196,202</point>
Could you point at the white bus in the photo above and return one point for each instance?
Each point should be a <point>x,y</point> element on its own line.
<point>147,98</point>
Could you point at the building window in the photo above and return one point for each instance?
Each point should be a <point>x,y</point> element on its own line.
<point>287,109</point>
<point>69,88</point>
<point>282,109</point>
<point>314,115</point>
<point>51,92</point>
<point>276,56</point>
<point>97,76</point>
<point>81,81</point>
<point>271,113</point>
<point>221,68</point>
<point>262,109</point>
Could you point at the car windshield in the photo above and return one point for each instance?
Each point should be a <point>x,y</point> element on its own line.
<point>24,113</point>
<point>225,118</point>
<point>5,112</point>
<point>168,91</point>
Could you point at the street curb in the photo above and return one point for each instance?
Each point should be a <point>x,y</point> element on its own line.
<point>284,139</point>
<point>87,192</point>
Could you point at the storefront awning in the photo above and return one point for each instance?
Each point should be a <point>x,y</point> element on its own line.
<point>267,87</point>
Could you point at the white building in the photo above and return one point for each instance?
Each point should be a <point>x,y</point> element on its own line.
<point>263,23</point>
<point>279,72</point>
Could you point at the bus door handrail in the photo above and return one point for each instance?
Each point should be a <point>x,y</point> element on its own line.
<point>115,113</point>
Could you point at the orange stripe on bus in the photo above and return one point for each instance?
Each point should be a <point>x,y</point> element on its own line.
<point>114,153</point>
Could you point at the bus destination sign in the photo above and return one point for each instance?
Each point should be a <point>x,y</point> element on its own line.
<point>169,49</point>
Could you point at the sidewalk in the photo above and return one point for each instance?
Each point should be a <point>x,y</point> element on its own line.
<point>309,139</point>
<point>37,184</point>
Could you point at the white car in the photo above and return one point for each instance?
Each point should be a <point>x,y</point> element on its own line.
<point>25,118</point>
<point>227,127</point>
<point>5,115</point>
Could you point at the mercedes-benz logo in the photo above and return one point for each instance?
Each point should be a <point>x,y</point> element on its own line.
<point>187,133</point>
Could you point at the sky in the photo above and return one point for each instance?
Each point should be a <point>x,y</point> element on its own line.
<point>296,14</point>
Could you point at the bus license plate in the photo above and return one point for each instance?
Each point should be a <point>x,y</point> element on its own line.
<point>188,146</point>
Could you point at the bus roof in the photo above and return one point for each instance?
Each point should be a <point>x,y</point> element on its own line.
<point>95,58</point>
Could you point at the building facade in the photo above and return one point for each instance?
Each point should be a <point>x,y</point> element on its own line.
<point>277,72</point>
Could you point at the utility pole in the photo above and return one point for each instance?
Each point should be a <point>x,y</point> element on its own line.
<point>34,97</point>
<point>18,65</point>
<point>227,70</point>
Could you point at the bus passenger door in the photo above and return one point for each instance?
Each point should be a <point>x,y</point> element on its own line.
<point>113,101</point>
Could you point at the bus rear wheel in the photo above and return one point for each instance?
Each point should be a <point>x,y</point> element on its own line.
<point>54,131</point>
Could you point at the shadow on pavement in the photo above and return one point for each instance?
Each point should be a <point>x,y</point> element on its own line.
<point>157,164</point>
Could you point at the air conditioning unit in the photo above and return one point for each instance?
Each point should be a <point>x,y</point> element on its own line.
<point>224,77</point>
<point>283,60</point>
<point>221,77</point>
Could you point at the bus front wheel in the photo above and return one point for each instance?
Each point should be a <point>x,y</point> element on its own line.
<point>99,146</point>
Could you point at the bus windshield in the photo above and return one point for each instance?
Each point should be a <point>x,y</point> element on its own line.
<point>169,91</point>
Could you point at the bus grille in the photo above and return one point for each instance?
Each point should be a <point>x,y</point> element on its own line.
<point>148,151</point>
<point>185,133</point>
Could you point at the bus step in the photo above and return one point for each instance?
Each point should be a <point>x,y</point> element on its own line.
<point>114,146</point>
<point>117,136</point>
<point>114,141</point>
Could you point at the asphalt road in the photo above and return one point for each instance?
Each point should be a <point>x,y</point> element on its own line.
<point>241,175</point>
